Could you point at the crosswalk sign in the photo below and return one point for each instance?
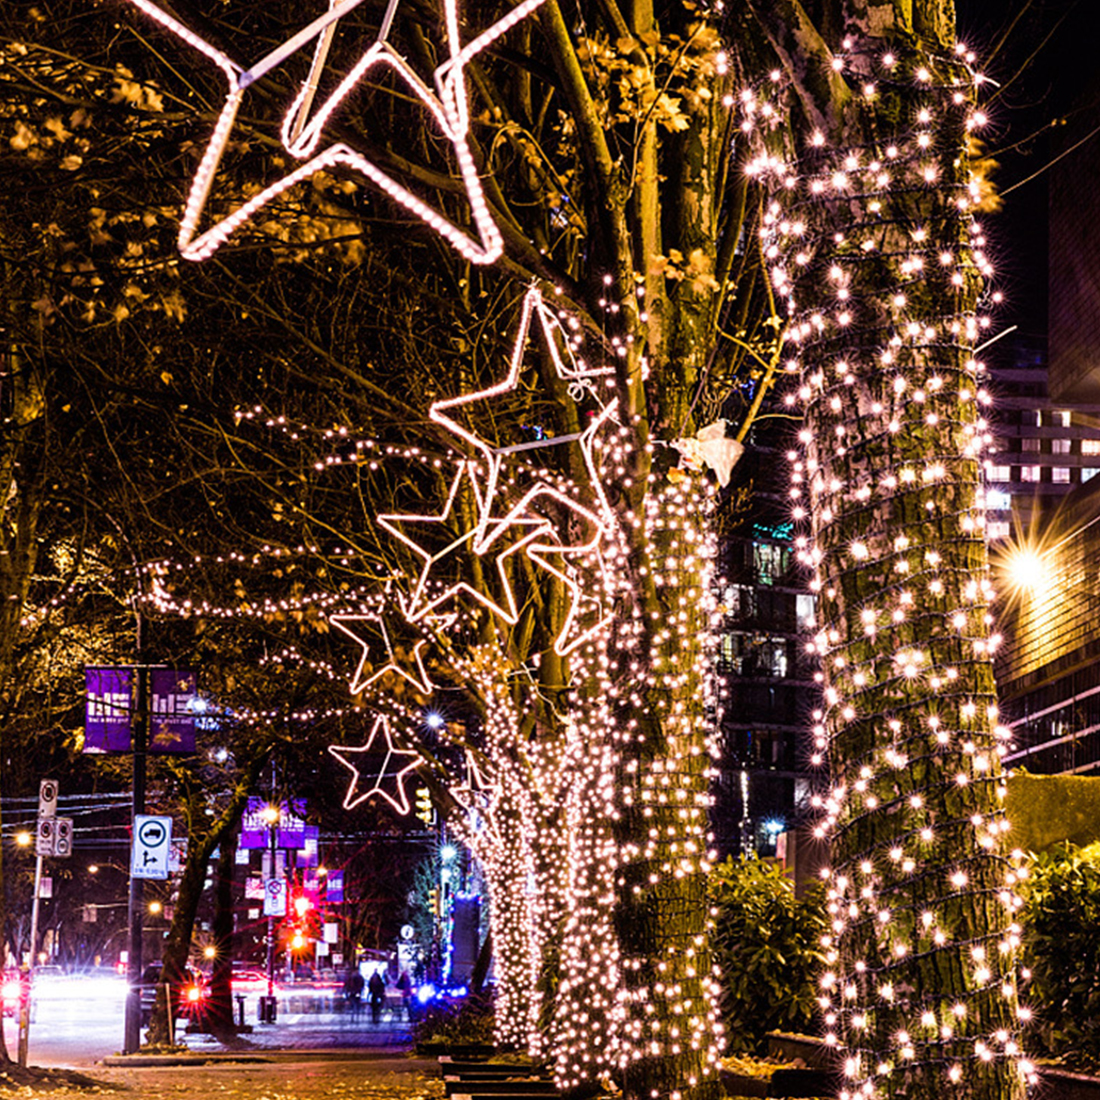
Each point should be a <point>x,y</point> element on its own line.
<point>152,846</point>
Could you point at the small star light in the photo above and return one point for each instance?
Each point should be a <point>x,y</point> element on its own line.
<point>343,752</point>
<point>478,795</point>
<point>419,680</point>
<point>447,105</point>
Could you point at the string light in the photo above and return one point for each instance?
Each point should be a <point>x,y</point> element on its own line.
<point>879,256</point>
<point>447,106</point>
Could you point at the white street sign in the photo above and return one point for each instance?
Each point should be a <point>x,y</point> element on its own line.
<point>275,897</point>
<point>152,846</point>
<point>47,798</point>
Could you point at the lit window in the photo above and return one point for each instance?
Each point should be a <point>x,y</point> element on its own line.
<point>997,500</point>
<point>1030,445</point>
<point>1000,473</point>
<point>1088,473</point>
<point>1030,473</point>
<point>805,609</point>
<point>1090,446</point>
<point>739,601</point>
<point>771,561</point>
<point>1060,475</point>
<point>1065,417</point>
<point>1060,446</point>
<point>997,529</point>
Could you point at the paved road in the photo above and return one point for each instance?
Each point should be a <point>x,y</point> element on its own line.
<point>80,1025</point>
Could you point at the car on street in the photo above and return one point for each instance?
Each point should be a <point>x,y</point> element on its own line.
<point>14,988</point>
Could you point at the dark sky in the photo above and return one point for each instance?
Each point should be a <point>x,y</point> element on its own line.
<point>1047,71</point>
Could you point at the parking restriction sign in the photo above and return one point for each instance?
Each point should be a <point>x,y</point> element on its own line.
<point>275,897</point>
<point>152,846</point>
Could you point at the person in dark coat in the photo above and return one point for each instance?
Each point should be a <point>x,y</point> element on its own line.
<point>353,990</point>
<point>405,988</point>
<point>376,987</point>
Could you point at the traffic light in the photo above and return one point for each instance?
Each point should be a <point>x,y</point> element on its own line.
<point>424,809</point>
<point>433,902</point>
<point>302,905</point>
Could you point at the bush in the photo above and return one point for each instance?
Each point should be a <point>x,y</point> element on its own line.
<point>1062,952</point>
<point>464,1021</point>
<point>768,947</point>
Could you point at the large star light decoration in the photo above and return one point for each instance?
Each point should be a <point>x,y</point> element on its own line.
<point>447,104</point>
<point>345,754</point>
<point>360,680</point>
<point>579,378</point>
<point>423,600</point>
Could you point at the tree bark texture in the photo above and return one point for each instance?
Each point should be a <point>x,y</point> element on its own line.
<point>874,242</point>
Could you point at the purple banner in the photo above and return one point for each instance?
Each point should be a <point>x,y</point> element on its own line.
<point>292,825</point>
<point>334,886</point>
<point>253,825</point>
<point>291,832</point>
<point>307,854</point>
<point>171,713</point>
<point>107,714</point>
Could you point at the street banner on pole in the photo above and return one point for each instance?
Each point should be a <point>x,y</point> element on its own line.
<point>292,825</point>
<point>334,886</point>
<point>107,715</point>
<point>291,831</point>
<point>152,846</point>
<point>172,710</point>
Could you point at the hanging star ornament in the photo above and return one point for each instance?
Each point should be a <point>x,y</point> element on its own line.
<point>346,755</point>
<point>447,105</point>
<point>478,795</point>
<point>423,599</point>
<point>361,680</point>
<point>579,378</point>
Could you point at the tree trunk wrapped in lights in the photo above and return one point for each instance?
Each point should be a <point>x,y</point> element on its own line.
<point>875,241</point>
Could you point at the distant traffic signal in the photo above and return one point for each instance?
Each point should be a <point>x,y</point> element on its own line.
<point>424,809</point>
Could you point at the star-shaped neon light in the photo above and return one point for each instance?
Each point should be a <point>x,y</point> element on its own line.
<point>360,681</point>
<point>447,105</point>
<point>345,755</point>
<point>478,795</point>
<point>421,601</point>
<point>578,377</point>
<point>573,633</point>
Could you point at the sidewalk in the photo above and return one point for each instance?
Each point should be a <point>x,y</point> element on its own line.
<point>300,1032</point>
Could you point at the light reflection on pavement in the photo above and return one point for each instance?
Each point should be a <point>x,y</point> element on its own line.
<point>79,1021</point>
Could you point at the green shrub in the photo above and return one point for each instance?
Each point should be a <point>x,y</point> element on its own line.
<point>461,1022</point>
<point>768,947</point>
<point>1061,941</point>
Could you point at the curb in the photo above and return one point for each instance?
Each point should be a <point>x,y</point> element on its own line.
<point>196,1059</point>
<point>261,1057</point>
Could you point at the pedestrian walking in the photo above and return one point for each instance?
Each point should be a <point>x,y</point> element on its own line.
<point>405,988</point>
<point>353,991</point>
<point>376,987</point>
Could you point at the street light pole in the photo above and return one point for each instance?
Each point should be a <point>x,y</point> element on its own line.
<point>135,964</point>
<point>271,816</point>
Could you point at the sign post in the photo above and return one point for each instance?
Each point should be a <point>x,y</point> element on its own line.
<point>48,829</point>
<point>120,703</point>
